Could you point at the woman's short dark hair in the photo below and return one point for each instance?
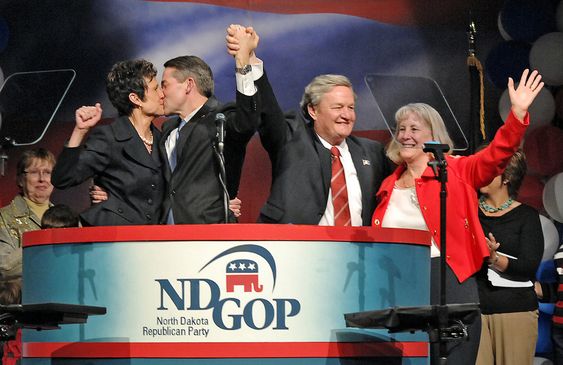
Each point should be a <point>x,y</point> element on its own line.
<point>128,77</point>
<point>514,173</point>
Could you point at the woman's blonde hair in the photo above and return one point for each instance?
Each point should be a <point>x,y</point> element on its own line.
<point>432,119</point>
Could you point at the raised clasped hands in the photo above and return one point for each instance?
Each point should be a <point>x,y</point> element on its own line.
<point>88,116</point>
<point>241,43</point>
<point>524,94</point>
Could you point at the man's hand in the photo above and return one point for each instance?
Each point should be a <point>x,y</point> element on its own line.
<point>242,43</point>
<point>235,205</point>
<point>97,194</point>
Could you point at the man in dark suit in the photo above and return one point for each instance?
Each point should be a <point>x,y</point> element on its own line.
<point>300,151</point>
<point>304,171</point>
<point>195,191</point>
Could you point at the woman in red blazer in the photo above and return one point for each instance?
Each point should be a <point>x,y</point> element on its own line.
<point>409,198</point>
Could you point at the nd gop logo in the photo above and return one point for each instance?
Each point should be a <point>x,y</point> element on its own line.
<point>242,303</point>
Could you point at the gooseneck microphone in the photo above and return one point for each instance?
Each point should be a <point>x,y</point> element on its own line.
<point>220,121</point>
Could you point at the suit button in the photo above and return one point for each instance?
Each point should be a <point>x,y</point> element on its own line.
<point>153,186</point>
<point>148,216</point>
<point>119,210</point>
<point>149,200</point>
<point>173,192</point>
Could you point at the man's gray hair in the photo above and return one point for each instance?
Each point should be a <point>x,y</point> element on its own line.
<point>321,85</point>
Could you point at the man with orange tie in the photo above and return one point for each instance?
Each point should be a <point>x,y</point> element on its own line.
<point>321,174</point>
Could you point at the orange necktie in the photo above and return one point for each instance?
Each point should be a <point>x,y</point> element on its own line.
<point>339,191</point>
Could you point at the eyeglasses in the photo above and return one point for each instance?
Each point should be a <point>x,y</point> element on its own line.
<point>35,174</point>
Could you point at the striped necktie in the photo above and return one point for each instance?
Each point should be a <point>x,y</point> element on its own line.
<point>171,145</point>
<point>339,191</point>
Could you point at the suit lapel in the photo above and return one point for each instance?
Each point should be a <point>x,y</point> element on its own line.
<point>188,129</point>
<point>324,160</point>
<point>125,133</point>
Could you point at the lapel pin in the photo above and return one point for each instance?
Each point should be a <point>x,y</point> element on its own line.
<point>366,162</point>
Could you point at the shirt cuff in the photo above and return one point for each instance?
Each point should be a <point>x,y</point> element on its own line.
<point>245,83</point>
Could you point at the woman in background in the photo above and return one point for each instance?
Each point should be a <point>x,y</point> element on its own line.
<point>508,302</point>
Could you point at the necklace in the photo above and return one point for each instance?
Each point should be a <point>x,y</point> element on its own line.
<point>487,208</point>
<point>146,141</point>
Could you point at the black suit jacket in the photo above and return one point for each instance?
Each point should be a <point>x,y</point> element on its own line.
<point>195,193</point>
<point>301,167</point>
<point>119,162</point>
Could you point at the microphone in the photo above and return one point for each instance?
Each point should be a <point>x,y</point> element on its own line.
<point>220,121</point>
<point>437,148</point>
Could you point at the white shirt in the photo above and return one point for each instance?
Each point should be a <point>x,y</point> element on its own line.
<point>403,211</point>
<point>352,186</point>
<point>172,139</point>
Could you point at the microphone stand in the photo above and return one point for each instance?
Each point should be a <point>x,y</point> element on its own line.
<point>439,167</point>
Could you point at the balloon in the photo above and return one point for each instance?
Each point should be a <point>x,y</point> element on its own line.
<point>507,59</point>
<point>553,197</point>
<point>550,238</point>
<point>542,361</point>
<point>526,20</point>
<point>543,147</point>
<point>547,57</point>
<point>501,29</point>
<point>547,274</point>
<point>541,111</point>
<point>531,191</point>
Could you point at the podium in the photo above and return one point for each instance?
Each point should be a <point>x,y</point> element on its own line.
<point>226,294</point>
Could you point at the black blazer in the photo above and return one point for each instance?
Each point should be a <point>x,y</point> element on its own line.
<point>301,167</point>
<point>195,193</point>
<point>115,156</point>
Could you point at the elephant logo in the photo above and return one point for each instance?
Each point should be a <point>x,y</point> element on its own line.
<point>243,273</point>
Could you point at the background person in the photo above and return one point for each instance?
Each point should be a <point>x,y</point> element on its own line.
<point>409,198</point>
<point>59,216</point>
<point>508,302</point>
<point>24,213</point>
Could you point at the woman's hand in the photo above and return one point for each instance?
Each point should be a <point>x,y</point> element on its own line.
<point>493,245</point>
<point>522,97</point>
<point>88,116</point>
